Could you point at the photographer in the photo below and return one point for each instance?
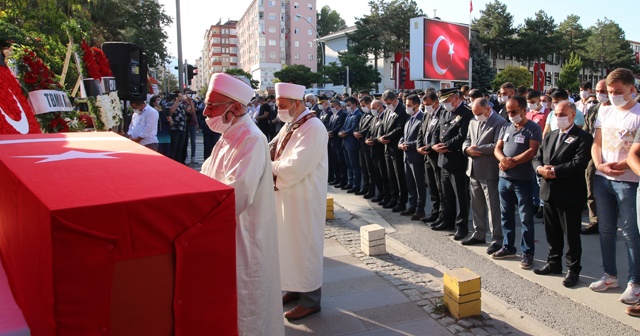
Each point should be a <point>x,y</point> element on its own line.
<point>179,105</point>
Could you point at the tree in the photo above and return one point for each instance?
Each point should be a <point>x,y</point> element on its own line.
<point>240,72</point>
<point>568,79</point>
<point>608,46</point>
<point>298,74</point>
<point>573,37</point>
<point>327,21</point>
<point>481,71</point>
<point>363,76</point>
<point>517,75</point>
<point>537,38</point>
<point>168,83</point>
<point>495,26</point>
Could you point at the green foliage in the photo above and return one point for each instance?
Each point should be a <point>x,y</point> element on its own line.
<point>573,37</point>
<point>482,72</point>
<point>240,72</point>
<point>298,74</point>
<point>329,21</point>
<point>607,45</point>
<point>363,75</point>
<point>169,82</point>
<point>495,26</point>
<point>518,75</point>
<point>568,79</point>
<point>537,38</point>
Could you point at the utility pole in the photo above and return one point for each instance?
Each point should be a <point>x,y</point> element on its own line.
<point>180,66</point>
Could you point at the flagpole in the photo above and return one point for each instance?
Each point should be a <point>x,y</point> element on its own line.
<point>470,61</point>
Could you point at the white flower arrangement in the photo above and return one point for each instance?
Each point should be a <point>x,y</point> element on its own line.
<point>107,111</point>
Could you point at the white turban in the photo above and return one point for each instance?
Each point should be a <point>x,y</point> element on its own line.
<point>231,87</point>
<point>290,91</point>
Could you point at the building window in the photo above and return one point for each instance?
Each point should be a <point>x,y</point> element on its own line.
<point>272,16</point>
<point>296,43</point>
<point>296,5</point>
<point>311,57</point>
<point>310,6</point>
<point>309,19</point>
<point>272,55</point>
<point>261,42</point>
<point>297,56</point>
<point>272,3</point>
<point>295,31</point>
<point>393,72</point>
<point>272,42</point>
<point>296,18</point>
<point>310,44</point>
<point>216,49</point>
<point>272,29</point>
<point>309,31</point>
<point>215,40</point>
<point>234,59</point>
<point>261,16</point>
<point>232,32</point>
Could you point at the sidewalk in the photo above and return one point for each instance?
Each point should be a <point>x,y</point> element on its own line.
<point>393,294</point>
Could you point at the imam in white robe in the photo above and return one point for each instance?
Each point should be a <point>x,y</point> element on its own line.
<point>302,172</point>
<point>241,160</point>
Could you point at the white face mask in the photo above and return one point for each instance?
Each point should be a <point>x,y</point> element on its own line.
<point>515,119</point>
<point>375,112</point>
<point>584,94</point>
<point>618,100</point>
<point>448,106</point>
<point>217,125</point>
<point>502,99</point>
<point>562,122</point>
<point>349,109</point>
<point>481,118</point>
<point>533,106</point>
<point>365,109</point>
<point>307,104</point>
<point>334,110</point>
<point>603,97</point>
<point>429,108</point>
<point>284,115</point>
<point>411,111</point>
<point>545,104</point>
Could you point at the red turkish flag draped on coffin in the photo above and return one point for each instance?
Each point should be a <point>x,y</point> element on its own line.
<point>102,236</point>
<point>446,51</point>
<point>17,116</point>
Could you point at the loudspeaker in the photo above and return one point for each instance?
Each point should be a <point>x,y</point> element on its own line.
<point>129,66</point>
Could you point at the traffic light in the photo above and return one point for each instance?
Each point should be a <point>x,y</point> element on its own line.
<point>402,76</point>
<point>191,71</point>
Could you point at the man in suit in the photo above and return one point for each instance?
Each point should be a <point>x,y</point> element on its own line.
<point>393,125</point>
<point>561,160</point>
<point>483,171</point>
<point>432,113</point>
<point>447,140</point>
<point>311,103</point>
<point>362,133</point>
<point>339,169</point>
<point>350,145</point>
<point>377,153</point>
<point>413,161</point>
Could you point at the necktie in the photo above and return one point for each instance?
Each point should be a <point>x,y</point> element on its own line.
<point>561,138</point>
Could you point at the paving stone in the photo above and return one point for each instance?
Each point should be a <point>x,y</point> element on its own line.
<point>446,321</point>
<point>479,332</point>
<point>492,331</point>
<point>456,329</point>
<point>465,323</point>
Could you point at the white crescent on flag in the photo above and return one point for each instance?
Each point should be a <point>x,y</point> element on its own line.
<point>22,125</point>
<point>434,54</point>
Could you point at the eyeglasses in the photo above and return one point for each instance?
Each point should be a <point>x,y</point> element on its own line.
<point>513,112</point>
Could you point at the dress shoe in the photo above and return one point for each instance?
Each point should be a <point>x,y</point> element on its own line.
<point>571,279</point>
<point>548,269</point>
<point>436,223</point>
<point>460,234</point>
<point>362,192</point>
<point>376,199</point>
<point>383,202</point>
<point>290,296</point>
<point>353,190</point>
<point>494,247</point>
<point>334,182</point>
<point>431,218</point>
<point>417,216</point>
<point>299,312</point>
<point>590,229</point>
<point>634,310</point>
<point>399,207</point>
<point>346,187</point>
<point>442,227</point>
<point>370,195</point>
<point>473,241</point>
<point>540,213</point>
<point>390,205</point>
<point>407,212</point>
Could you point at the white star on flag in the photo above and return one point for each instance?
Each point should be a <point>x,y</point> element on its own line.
<point>451,52</point>
<point>71,155</point>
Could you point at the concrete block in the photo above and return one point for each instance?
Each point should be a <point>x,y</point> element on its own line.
<point>462,281</point>
<point>462,310</point>
<point>330,214</point>
<point>373,242</point>
<point>372,232</point>
<point>329,201</point>
<point>462,298</point>
<point>375,250</point>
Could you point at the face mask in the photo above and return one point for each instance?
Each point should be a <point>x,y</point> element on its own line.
<point>411,111</point>
<point>562,122</point>
<point>533,106</point>
<point>334,110</point>
<point>502,99</point>
<point>375,113</point>
<point>481,118</point>
<point>136,111</point>
<point>515,119</point>
<point>365,109</point>
<point>584,94</point>
<point>590,105</point>
<point>272,104</point>
<point>545,104</point>
<point>389,106</point>
<point>618,100</point>
<point>429,109</point>
<point>217,125</point>
<point>448,106</point>
<point>307,104</point>
<point>284,115</point>
<point>349,109</point>
<point>603,97</point>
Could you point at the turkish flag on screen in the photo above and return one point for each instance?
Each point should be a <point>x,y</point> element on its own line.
<point>446,51</point>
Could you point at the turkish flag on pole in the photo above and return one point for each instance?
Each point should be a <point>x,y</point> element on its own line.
<point>446,51</point>
<point>470,6</point>
<point>539,75</point>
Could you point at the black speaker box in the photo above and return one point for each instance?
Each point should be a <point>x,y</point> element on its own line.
<point>129,66</point>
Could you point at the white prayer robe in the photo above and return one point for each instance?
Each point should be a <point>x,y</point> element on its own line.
<point>302,173</point>
<point>241,160</point>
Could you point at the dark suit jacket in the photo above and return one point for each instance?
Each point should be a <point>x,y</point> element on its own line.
<point>393,126</point>
<point>410,138</point>
<point>364,128</point>
<point>335,125</point>
<point>570,160</point>
<point>429,124</point>
<point>325,117</point>
<point>353,120</point>
<point>317,109</point>
<point>377,123</point>
<point>452,131</point>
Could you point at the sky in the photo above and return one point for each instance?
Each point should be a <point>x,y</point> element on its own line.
<point>198,15</point>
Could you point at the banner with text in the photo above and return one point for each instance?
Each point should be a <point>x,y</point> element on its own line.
<point>45,101</point>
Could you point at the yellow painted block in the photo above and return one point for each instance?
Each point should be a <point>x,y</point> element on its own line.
<point>462,281</point>
<point>329,201</point>
<point>330,214</point>
<point>329,207</point>
<point>462,310</point>
<point>462,298</point>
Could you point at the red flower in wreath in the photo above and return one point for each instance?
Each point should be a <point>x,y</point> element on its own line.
<point>95,62</point>
<point>16,115</point>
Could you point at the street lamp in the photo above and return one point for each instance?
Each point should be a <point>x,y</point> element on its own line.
<point>317,36</point>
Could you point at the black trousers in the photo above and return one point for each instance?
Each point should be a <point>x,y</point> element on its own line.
<point>340,164</point>
<point>562,220</point>
<point>366,165</point>
<point>432,177</point>
<point>455,202</point>
<point>178,141</point>
<point>395,174</point>
<point>380,178</point>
